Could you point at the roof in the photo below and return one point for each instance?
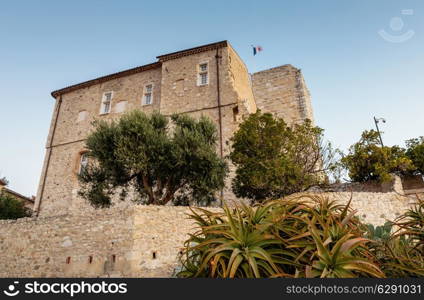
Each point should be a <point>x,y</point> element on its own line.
<point>191,51</point>
<point>3,182</point>
<point>16,194</point>
<point>105,78</point>
<point>161,58</point>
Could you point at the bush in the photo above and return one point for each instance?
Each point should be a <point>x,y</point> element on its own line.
<point>402,253</point>
<point>368,160</point>
<point>12,208</point>
<point>415,152</point>
<point>300,237</point>
<point>274,159</point>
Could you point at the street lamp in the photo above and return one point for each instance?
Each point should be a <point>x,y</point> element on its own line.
<point>376,120</point>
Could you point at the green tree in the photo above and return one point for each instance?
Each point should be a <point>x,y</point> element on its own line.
<point>368,160</point>
<point>415,152</point>
<point>274,159</point>
<point>12,208</point>
<point>156,161</point>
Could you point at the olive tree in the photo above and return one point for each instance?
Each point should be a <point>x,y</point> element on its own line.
<point>156,158</point>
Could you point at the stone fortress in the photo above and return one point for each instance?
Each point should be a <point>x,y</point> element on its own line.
<point>209,80</point>
<point>68,238</point>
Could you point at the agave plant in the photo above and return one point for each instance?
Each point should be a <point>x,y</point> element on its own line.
<point>339,260</point>
<point>402,254</point>
<point>298,237</point>
<point>235,244</point>
<point>411,224</point>
<point>399,258</point>
<point>328,241</point>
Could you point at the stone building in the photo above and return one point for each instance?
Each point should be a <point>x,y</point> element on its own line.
<point>27,201</point>
<point>209,80</point>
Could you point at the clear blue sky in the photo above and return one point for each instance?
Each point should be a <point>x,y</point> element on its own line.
<point>352,72</point>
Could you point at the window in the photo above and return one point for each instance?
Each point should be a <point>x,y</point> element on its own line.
<point>148,95</point>
<point>106,103</point>
<point>235,113</point>
<point>203,67</point>
<point>83,163</point>
<point>203,78</point>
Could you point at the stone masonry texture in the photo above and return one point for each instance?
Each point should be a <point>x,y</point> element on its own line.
<point>231,93</point>
<point>130,241</point>
<point>69,238</point>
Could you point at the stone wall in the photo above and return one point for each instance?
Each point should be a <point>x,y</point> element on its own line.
<point>176,89</point>
<point>71,131</point>
<point>283,92</point>
<point>130,241</point>
<point>126,241</point>
<point>374,208</point>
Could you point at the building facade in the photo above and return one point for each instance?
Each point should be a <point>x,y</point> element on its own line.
<point>209,80</point>
<point>27,201</point>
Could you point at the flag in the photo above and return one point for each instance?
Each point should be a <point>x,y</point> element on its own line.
<point>256,49</point>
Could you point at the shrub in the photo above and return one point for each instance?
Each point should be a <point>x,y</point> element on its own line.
<point>401,253</point>
<point>415,152</point>
<point>411,225</point>
<point>379,233</point>
<point>273,159</point>
<point>368,160</point>
<point>298,237</point>
<point>12,208</point>
<point>399,257</point>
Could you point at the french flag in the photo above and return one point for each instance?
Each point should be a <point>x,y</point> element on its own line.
<point>256,49</point>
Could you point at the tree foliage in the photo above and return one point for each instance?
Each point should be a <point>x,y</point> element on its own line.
<point>12,208</point>
<point>415,152</point>
<point>368,160</point>
<point>274,159</point>
<point>156,160</point>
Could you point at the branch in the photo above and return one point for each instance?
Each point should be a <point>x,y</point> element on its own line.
<point>148,189</point>
<point>169,192</point>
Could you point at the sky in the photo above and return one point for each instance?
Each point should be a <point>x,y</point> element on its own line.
<point>359,58</point>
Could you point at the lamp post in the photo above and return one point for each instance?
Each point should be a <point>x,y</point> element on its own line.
<point>376,120</point>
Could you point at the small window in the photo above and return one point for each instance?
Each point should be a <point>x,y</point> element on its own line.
<point>203,67</point>
<point>148,95</point>
<point>235,113</point>
<point>83,163</point>
<point>204,78</point>
<point>106,103</point>
<point>203,74</point>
